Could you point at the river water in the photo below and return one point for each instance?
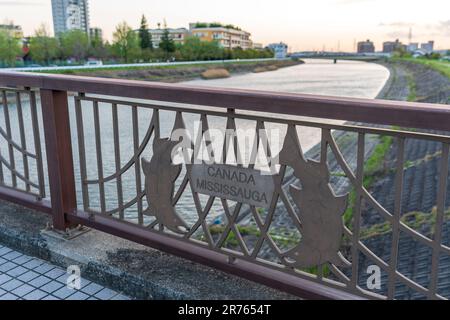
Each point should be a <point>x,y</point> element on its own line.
<point>346,78</point>
<point>316,76</point>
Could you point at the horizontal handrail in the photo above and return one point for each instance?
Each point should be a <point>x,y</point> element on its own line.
<point>405,114</point>
<point>289,271</point>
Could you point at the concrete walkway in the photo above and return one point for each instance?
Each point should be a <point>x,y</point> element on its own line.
<point>23,277</point>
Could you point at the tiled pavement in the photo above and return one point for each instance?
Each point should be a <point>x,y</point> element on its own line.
<point>28,278</point>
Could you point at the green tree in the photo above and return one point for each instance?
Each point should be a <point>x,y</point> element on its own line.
<point>43,48</point>
<point>98,48</point>
<point>126,43</point>
<point>195,49</point>
<point>167,44</point>
<point>145,38</point>
<point>10,48</point>
<point>75,44</point>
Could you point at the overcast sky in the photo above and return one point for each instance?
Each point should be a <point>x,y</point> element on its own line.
<point>304,25</point>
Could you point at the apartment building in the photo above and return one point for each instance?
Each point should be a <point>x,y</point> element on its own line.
<point>70,15</point>
<point>178,35</point>
<point>96,33</point>
<point>13,30</point>
<point>391,46</point>
<point>366,47</point>
<point>428,47</point>
<point>280,50</point>
<point>227,36</point>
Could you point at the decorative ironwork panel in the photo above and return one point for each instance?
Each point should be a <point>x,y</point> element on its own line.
<point>307,228</point>
<point>21,164</point>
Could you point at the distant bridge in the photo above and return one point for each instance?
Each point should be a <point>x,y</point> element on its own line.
<point>337,56</point>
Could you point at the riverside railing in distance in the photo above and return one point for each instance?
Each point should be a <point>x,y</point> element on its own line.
<point>219,176</point>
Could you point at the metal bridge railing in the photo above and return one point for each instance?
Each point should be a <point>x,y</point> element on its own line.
<point>109,164</point>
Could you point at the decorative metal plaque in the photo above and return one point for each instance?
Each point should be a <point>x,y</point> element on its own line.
<point>239,184</point>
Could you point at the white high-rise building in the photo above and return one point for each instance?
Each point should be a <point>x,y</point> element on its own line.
<point>70,15</point>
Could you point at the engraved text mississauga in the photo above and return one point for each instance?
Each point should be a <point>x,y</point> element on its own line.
<point>234,183</point>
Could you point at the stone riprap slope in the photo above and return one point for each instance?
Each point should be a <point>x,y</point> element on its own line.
<point>408,81</point>
<point>421,174</point>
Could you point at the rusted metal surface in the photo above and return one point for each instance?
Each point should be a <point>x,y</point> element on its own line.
<point>406,114</point>
<point>242,268</point>
<point>306,199</point>
<point>31,159</point>
<point>55,115</point>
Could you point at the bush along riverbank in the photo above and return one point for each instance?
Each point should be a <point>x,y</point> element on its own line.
<point>178,73</point>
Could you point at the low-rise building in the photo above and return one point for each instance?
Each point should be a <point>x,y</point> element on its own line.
<point>258,46</point>
<point>366,46</point>
<point>96,33</point>
<point>280,50</point>
<point>228,36</point>
<point>428,47</point>
<point>391,46</point>
<point>178,35</point>
<point>13,30</point>
<point>413,46</point>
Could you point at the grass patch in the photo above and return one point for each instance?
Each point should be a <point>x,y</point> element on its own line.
<point>219,63</point>
<point>438,65</point>
<point>373,166</point>
<point>415,220</point>
<point>412,96</point>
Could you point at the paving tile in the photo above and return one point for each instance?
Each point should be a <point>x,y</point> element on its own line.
<point>51,286</point>
<point>4,250</point>
<point>92,289</point>
<point>23,290</point>
<point>63,293</point>
<point>7,266</point>
<point>17,271</point>
<point>11,255</point>
<point>84,283</point>
<point>22,259</point>
<point>33,263</point>
<point>63,278</point>
<point>44,268</point>
<point>9,296</point>
<point>39,281</point>
<point>105,294</point>
<point>35,295</point>
<point>55,273</point>
<point>11,285</point>
<point>28,276</point>
<point>4,278</point>
<point>78,296</point>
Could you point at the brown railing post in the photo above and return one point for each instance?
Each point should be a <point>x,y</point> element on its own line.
<point>55,115</point>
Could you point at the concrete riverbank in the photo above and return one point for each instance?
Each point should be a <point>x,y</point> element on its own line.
<point>172,73</point>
